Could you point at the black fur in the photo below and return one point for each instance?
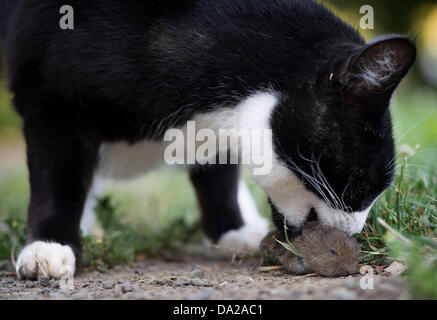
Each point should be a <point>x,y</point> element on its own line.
<point>217,191</point>
<point>131,69</point>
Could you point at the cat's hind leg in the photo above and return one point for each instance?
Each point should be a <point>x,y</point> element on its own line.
<point>89,216</point>
<point>229,215</point>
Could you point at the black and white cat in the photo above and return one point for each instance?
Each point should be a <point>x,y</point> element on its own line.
<point>96,102</point>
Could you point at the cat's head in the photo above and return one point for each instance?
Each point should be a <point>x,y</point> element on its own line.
<point>333,137</point>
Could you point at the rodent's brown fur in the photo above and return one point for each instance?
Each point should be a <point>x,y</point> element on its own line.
<point>325,251</point>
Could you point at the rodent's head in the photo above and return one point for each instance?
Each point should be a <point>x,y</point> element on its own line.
<point>328,251</point>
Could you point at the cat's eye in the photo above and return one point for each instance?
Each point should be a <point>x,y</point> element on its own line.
<point>334,252</point>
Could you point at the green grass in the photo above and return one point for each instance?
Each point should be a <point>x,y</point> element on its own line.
<point>409,206</point>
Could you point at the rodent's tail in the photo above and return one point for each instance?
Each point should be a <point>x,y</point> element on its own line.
<point>7,8</point>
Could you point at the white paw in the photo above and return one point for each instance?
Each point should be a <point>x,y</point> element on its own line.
<point>43,258</point>
<point>245,240</point>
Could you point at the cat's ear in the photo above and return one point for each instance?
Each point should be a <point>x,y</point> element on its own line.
<point>379,66</point>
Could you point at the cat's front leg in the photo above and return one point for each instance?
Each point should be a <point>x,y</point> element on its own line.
<point>61,162</point>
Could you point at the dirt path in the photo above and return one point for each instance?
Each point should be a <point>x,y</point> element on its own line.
<point>201,276</point>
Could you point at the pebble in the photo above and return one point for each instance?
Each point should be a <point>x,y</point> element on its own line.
<point>45,291</point>
<point>54,284</point>
<point>243,279</point>
<point>190,282</point>
<point>107,285</point>
<point>160,282</point>
<point>196,273</point>
<point>127,287</point>
<point>139,272</point>
<point>117,291</point>
<point>183,282</point>
<point>31,284</point>
<point>44,281</point>
<point>198,283</point>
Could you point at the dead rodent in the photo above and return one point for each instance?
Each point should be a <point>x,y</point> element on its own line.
<point>324,250</point>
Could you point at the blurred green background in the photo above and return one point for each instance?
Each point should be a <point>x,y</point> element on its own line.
<point>169,193</point>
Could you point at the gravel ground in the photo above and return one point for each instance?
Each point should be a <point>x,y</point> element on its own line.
<point>201,275</point>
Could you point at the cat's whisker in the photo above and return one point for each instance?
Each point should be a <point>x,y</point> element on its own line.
<point>418,137</point>
<point>390,172</point>
<point>413,127</point>
<point>304,158</point>
<point>312,180</point>
<point>348,208</point>
<point>315,183</point>
<point>392,160</point>
<point>321,180</point>
<point>324,186</point>
<point>326,182</point>
<point>332,202</point>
